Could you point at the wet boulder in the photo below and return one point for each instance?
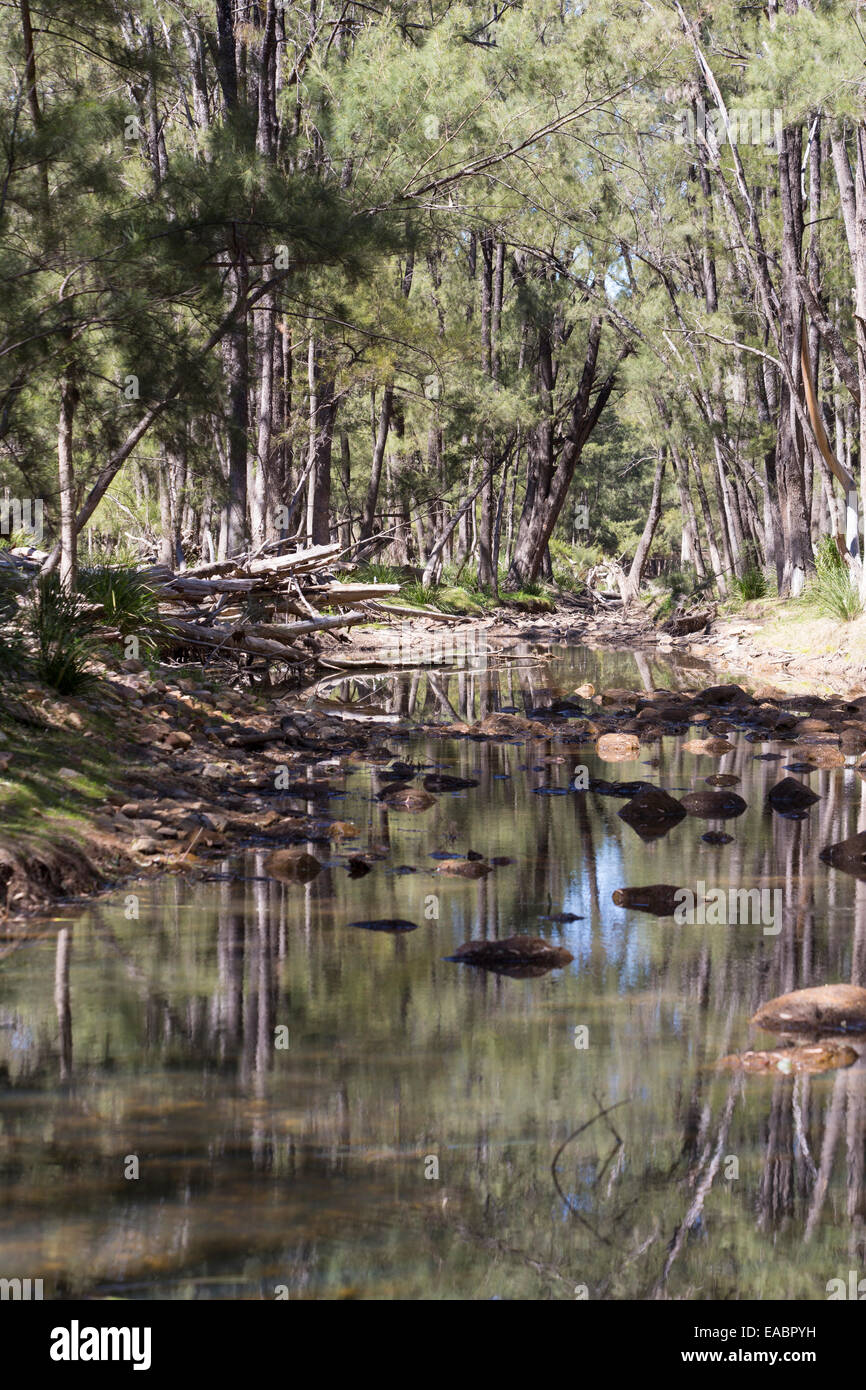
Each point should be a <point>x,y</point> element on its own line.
<point>791,795</point>
<point>292,865</point>
<point>824,1009</point>
<point>848,855</point>
<point>618,748</point>
<point>723,805</point>
<point>513,953</point>
<point>464,868</point>
<point>661,899</point>
<point>722,779</point>
<point>717,837</point>
<point>724,695</point>
<point>652,813</point>
<point>822,755</point>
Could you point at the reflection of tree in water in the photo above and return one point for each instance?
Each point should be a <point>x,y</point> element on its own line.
<point>310,1161</point>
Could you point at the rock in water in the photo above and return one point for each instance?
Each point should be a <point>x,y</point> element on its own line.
<point>464,868</point>
<point>443,782</point>
<point>709,747</point>
<point>848,855</point>
<point>392,924</point>
<point>722,779</point>
<point>825,1009</point>
<point>652,813</point>
<point>658,898</point>
<point>407,799</point>
<point>810,1058</point>
<point>713,805</point>
<point>618,748</point>
<point>293,865</point>
<point>723,695</point>
<point>791,795</point>
<point>512,952</point>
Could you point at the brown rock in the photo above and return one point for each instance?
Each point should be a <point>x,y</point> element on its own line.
<point>811,1058</point>
<point>464,868</point>
<point>791,795</point>
<point>825,1009</point>
<point>724,695</point>
<point>618,748</point>
<point>292,865</point>
<point>652,812</point>
<point>512,951</point>
<point>822,756</point>
<point>812,726</point>
<point>509,726</point>
<point>713,805</point>
<point>657,898</point>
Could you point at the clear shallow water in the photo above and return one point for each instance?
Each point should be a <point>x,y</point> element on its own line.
<point>304,1171</point>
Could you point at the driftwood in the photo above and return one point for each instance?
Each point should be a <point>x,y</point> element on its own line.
<point>262,605</point>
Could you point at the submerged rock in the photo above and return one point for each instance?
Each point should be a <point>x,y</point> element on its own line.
<point>444,782</point>
<point>713,805</point>
<point>722,779</point>
<point>824,1009</point>
<point>652,813</point>
<point>392,924</point>
<point>407,799</point>
<point>717,837</point>
<point>791,795</point>
<point>464,868</point>
<point>292,865</point>
<point>659,898</point>
<point>810,1058</point>
<point>513,953</point>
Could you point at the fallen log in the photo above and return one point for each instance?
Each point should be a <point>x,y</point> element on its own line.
<point>314,558</point>
<point>404,611</point>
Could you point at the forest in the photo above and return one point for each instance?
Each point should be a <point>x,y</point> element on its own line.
<point>490,292</point>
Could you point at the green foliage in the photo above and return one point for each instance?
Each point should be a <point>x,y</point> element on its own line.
<point>834,593</point>
<point>828,560</point>
<point>376,572</point>
<point>128,601</point>
<point>752,584</point>
<point>63,634</point>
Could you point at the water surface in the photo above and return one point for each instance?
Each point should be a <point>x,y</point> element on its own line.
<point>401,1144</point>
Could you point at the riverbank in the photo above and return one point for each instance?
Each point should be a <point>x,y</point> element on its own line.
<point>161,769</point>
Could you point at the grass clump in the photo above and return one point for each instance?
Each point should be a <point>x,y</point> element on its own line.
<point>834,592</point>
<point>62,633</point>
<point>129,603</point>
<point>752,584</point>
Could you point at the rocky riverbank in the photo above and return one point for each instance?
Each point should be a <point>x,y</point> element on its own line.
<point>162,769</point>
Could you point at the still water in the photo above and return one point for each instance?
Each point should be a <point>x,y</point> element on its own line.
<point>317,1111</point>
